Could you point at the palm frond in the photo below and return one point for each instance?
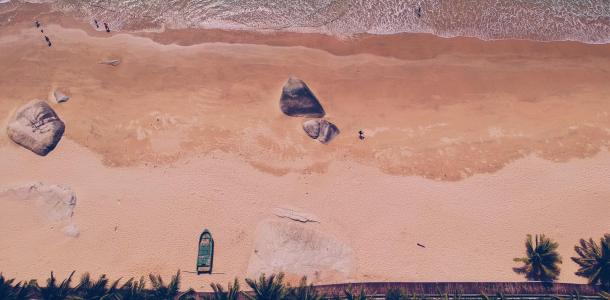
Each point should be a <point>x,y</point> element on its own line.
<point>267,288</point>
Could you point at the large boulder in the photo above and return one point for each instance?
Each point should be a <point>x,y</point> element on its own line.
<point>36,127</point>
<point>298,249</point>
<point>321,130</point>
<point>297,100</point>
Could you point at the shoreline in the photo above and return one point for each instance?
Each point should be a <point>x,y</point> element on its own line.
<point>428,52</point>
<point>150,23</point>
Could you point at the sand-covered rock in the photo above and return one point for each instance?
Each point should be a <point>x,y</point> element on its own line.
<point>320,130</point>
<point>298,100</point>
<point>60,96</point>
<point>55,201</point>
<point>36,127</point>
<point>298,249</point>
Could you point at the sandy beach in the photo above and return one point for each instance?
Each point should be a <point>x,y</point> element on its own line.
<point>470,145</point>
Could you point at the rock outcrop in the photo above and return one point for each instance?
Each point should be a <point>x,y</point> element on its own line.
<point>298,249</point>
<point>56,202</point>
<point>298,100</point>
<point>321,130</point>
<point>60,96</point>
<point>36,127</point>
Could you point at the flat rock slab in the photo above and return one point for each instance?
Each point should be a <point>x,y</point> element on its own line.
<point>294,215</point>
<point>321,130</point>
<point>36,127</point>
<point>111,62</point>
<point>298,100</point>
<point>298,249</point>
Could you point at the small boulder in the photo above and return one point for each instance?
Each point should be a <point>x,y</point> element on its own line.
<point>60,96</point>
<point>36,127</point>
<point>294,215</point>
<point>298,100</point>
<point>321,130</point>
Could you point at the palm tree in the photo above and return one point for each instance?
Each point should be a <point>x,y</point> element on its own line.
<point>19,291</point>
<point>395,294</point>
<point>542,260</point>
<point>594,261</point>
<point>133,290</point>
<point>219,293</point>
<point>271,288</point>
<point>171,290</point>
<point>303,291</point>
<point>53,291</point>
<point>350,295</point>
<point>6,287</point>
<point>96,290</point>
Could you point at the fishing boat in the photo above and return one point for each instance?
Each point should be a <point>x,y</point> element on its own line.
<point>205,255</point>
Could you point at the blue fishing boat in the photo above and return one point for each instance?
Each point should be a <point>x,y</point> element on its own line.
<point>205,255</point>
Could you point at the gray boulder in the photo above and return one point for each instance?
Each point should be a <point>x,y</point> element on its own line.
<point>321,130</point>
<point>36,127</point>
<point>298,100</point>
<point>60,96</point>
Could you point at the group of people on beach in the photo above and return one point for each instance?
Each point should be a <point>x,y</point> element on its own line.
<point>46,38</point>
<point>97,25</point>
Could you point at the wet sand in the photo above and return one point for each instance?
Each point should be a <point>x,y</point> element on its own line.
<point>469,146</point>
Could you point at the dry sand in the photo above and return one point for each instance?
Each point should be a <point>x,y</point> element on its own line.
<point>470,146</point>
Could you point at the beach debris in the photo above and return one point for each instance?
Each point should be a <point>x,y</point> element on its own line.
<point>295,215</point>
<point>418,244</point>
<point>361,134</point>
<point>111,62</point>
<point>298,100</point>
<point>321,130</point>
<point>36,127</point>
<point>60,97</point>
<point>296,248</point>
<point>57,202</point>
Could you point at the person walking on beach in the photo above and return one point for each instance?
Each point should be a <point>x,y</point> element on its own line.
<point>37,24</point>
<point>97,25</point>
<point>107,27</point>
<point>361,135</point>
<point>418,12</point>
<point>48,40</point>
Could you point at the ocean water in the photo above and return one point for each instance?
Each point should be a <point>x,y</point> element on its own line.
<point>586,21</point>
